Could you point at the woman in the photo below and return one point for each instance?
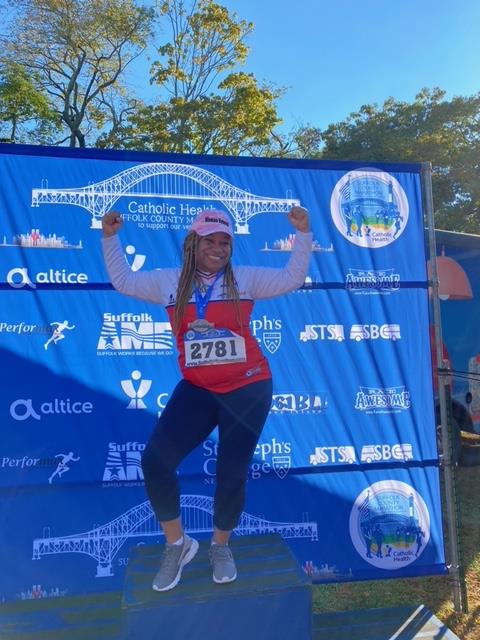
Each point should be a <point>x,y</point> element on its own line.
<point>226,380</point>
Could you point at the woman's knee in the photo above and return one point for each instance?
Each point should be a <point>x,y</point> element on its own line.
<point>154,463</point>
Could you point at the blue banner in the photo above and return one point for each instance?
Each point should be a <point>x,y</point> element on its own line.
<point>346,469</point>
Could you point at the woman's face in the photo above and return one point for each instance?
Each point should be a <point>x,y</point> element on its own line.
<point>213,252</point>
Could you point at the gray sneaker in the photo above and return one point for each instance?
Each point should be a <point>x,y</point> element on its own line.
<point>223,564</point>
<point>174,558</point>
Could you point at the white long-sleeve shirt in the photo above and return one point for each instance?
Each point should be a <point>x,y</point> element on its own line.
<point>235,340</point>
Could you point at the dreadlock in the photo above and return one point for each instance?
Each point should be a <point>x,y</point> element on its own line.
<point>188,279</point>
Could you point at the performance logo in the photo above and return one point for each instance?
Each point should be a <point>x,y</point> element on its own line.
<point>268,331</point>
<point>58,329</point>
<point>24,328</point>
<point>378,400</point>
<point>369,208</point>
<point>126,334</point>
<point>299,402</point>
<point>124,464</point>
<point>64,460</point>
<point>389,525</point>
<point>371,282</point>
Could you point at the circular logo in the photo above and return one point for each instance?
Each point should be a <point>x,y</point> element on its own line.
<point>389,524</point>
<point>369,208</point>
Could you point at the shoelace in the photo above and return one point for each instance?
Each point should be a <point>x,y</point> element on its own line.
<point>170,556</point>
<point>220,552</point>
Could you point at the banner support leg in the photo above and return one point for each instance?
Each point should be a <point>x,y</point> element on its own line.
<point>448,461</point>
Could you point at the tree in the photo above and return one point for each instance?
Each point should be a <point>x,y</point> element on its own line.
<point>446,133</point>
<point>25,113</point>
<point>203,106</point>
<point>75,51</point>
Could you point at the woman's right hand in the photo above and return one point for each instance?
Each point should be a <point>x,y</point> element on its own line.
<point>111,223</point>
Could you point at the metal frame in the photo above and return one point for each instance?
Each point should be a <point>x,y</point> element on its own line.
<point>447,461</point>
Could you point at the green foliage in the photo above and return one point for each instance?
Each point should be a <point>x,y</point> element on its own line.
<point>237,122</point>
<point>71,56</point>
<point>445,133</point>
<point>25,113</point>
<point>207,109</point>
<point>75,52</point>
<point>206,41</point>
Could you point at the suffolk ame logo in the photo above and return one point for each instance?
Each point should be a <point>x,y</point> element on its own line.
<point>369,208</point>
<point>125,334</point>
<point>124,463</point>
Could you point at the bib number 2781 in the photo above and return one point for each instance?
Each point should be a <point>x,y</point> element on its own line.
<point>218,350</point>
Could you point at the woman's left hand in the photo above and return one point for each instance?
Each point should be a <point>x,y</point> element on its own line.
<point>299,218</point>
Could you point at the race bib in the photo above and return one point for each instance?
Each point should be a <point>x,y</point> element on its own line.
<point>217,346</point>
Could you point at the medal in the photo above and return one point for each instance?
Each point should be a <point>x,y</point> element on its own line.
<point>201,325</point>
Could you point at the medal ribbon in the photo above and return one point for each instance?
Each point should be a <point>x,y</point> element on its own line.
<point>202,300</point>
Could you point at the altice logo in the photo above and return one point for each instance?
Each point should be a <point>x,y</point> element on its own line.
<point>19,277</point>
<point>23,408</point>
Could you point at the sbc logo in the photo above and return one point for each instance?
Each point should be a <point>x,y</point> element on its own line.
<point>360,332</point>
<point>381,452</point>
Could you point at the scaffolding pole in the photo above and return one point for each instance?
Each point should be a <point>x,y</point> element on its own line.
<point>447,461</point>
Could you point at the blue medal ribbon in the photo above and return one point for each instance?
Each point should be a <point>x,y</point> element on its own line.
<point>202,299</point>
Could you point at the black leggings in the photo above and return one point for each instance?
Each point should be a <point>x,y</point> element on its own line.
<point>190,416</point>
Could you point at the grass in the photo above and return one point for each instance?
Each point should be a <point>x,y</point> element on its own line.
<point>434,592</point>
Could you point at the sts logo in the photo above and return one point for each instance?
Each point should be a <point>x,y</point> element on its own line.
<point>333,455</point>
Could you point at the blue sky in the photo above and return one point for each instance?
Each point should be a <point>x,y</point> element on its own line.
<point>336,55</point>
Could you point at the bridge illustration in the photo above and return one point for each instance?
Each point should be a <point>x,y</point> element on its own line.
<point>104,542</point>
<point>166,180</point>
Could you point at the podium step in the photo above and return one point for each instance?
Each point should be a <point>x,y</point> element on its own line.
<point>271,598</point>
<point>395,623</point>
<point>98,617</point>
<point>81,617</point>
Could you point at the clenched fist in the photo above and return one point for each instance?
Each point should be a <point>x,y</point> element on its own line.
<point>111,223</point>
<point>299,218</point>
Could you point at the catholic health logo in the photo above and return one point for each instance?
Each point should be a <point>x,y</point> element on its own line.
<point>369,208</point>
<point>389,525</point>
